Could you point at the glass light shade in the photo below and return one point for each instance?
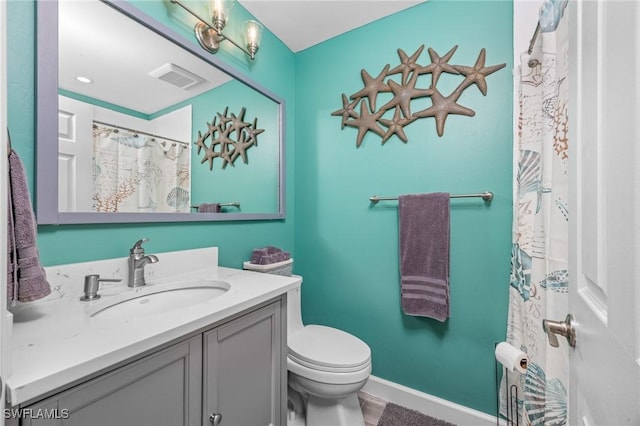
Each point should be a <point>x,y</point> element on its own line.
<point>253,35</point>
<point>220,11</point>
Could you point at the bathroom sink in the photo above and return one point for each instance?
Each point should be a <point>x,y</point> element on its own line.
<point>159,298</point>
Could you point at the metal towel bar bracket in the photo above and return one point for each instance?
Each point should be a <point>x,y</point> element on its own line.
<point>486,196</point>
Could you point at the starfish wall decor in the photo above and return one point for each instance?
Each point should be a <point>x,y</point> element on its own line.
<point>229,137</point>
<point>370,119</point>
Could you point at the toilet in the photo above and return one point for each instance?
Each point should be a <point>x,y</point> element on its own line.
<point>326,369</point>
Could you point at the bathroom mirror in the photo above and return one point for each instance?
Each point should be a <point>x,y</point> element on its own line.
<point>150,87</point>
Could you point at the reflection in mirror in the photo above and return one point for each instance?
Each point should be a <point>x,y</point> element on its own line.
<point>148,125</point>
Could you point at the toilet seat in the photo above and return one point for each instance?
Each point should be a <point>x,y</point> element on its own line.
<point>328,355</point>
<point>328,349</point>
<point>329,377</point>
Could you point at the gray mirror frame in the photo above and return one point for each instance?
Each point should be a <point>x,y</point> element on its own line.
<point>47,126</point>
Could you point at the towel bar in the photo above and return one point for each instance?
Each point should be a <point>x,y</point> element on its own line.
<point>486,196</point>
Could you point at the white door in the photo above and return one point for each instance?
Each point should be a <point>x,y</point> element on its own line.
<point>75,155</point>
<point>605,210</point>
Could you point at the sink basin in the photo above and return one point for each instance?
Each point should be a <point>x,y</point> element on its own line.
<point>158,298</point>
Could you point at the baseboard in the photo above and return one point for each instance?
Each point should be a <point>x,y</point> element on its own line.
<point>427,404</point>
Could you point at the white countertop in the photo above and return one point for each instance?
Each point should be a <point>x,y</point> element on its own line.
<point>55,341</point>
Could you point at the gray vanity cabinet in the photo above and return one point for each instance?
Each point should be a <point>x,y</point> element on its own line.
<point>235,370</point>
<point>161,389</point>
<point>243,364</point>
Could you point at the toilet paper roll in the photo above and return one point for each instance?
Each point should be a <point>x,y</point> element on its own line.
<point>511,357</point>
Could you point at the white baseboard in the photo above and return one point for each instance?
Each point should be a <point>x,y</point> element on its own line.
<point>427,404</point>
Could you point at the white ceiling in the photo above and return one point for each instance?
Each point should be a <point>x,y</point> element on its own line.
<point>304,23</point>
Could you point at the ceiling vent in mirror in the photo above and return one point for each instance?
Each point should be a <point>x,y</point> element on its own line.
<point>177,76</point>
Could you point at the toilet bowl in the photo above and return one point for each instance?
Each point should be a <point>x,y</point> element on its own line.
<point>327,367</point>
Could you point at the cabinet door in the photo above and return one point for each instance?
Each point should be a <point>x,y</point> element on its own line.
<point>163,389</point>
<point>243,365</point>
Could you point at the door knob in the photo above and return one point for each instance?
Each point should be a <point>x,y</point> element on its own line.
<point>564,328</point>
<point>215,419</point>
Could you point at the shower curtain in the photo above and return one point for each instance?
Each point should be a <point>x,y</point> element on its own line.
<point>539,279</point>
<point>137,172</point>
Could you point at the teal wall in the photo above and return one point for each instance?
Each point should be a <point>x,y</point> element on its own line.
<point>347,249</point>
<point>255,184</point>
<point>75,243</point>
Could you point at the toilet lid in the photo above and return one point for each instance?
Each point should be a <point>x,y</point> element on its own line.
<point>328,347</point>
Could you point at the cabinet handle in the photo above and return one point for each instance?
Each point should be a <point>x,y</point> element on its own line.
<point>215,419</point>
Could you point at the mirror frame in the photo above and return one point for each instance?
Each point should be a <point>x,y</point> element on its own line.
<point>47,125</point>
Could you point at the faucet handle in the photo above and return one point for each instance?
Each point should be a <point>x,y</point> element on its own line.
<point>137,247</point>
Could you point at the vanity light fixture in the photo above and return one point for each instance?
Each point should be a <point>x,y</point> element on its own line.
<point>210,35</point>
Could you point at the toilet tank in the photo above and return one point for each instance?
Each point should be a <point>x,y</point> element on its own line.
<point>294,311</point>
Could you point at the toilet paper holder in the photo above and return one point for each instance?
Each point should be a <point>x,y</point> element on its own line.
<point>511,414</point>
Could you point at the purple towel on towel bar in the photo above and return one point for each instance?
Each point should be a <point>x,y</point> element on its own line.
<point>26,280</point>
<point>424,254</point>
<point>209,208</point>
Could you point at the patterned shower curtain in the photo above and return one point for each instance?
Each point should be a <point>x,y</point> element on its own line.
<point>137,172</point>
<point>539,279</point>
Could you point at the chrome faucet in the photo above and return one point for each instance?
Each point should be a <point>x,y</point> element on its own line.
<point>137,262</point>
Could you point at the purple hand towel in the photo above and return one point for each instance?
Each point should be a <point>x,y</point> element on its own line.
<point>424,254</point>
<point>268,259</point>
<point>258,254</point>
<point>268,255</point>
<point>26,280</point>
<point>273,250</point>
<point>209,208</point>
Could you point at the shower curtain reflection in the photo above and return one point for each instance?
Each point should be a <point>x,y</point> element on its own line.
<point>138,172</point>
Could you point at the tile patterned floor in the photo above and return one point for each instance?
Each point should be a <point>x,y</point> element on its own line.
<point>372,408</point>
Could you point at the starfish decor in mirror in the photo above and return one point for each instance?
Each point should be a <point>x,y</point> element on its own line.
<point>228,137</point>
<point>371,119</point>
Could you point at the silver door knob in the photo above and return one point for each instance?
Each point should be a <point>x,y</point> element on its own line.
<point>564,328</point>
<point>215,419</point>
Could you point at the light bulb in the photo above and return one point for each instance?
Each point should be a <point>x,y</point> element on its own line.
<point>253,34</point>
<point>220,10</point>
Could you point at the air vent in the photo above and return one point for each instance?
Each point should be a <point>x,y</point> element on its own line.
<point>177,76</point>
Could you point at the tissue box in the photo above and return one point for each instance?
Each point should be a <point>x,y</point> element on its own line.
<point>278,268</point>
